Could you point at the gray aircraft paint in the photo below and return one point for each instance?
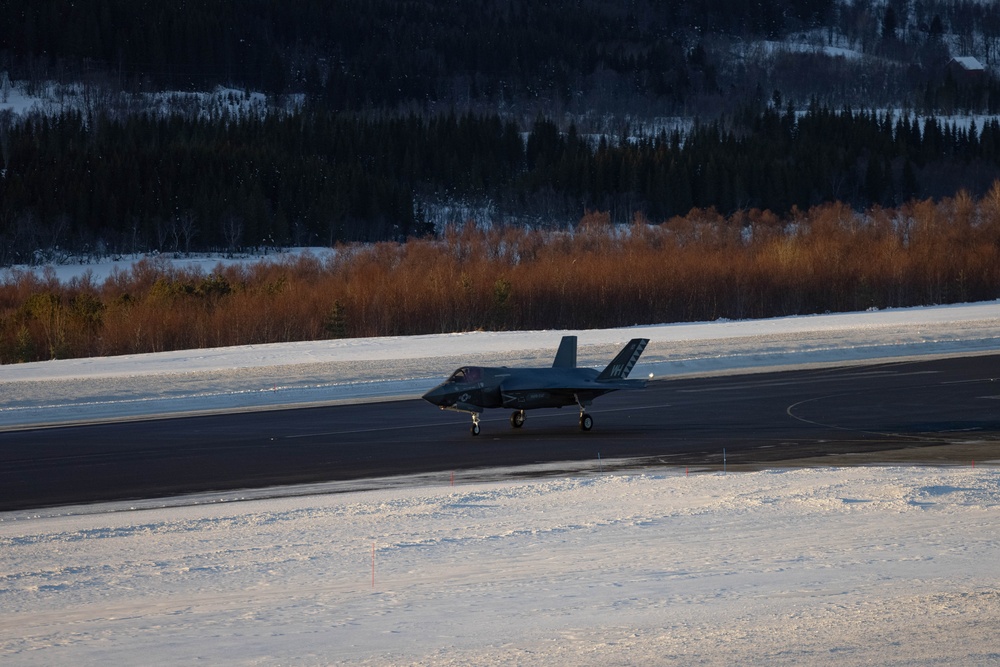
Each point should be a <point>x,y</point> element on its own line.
<point>473,389</point>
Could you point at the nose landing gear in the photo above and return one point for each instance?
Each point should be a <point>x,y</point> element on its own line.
<point>475,423</point>
<point>517,418</point>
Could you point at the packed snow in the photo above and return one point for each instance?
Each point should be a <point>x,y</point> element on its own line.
<point>847,566</point>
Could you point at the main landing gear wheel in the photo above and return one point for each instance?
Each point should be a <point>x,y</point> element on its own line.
<point>586,422</point>
<point>475,424</point>
<point>517,418</point>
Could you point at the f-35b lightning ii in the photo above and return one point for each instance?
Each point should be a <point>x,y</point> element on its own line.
<point>474,388</point>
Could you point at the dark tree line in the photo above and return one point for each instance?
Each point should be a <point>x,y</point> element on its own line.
<point>359,54</point>
<point>774,160</point>
<point>172,183</point>
<point>638,57</point>
<point>644,58</point>
<point>641,58</point>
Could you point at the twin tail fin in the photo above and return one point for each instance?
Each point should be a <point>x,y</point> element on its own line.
<point>566,355</point>
<point>621,365</point>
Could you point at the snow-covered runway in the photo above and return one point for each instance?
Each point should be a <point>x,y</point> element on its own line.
<point>260,376</point>
<point>839,566</point>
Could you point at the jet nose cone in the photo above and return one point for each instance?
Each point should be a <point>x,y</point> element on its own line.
<point>435,396</point>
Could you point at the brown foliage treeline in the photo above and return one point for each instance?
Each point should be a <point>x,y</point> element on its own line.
<point>702,266</point>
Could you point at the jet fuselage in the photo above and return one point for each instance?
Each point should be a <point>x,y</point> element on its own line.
<point>473,389</point>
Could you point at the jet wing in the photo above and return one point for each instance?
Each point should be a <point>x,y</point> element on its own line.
<point>567,385</point>
<point>534,392</point>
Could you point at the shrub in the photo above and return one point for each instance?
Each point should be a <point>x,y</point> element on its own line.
<point>701,266</point>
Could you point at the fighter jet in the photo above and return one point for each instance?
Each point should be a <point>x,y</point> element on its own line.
<point>474,388</point>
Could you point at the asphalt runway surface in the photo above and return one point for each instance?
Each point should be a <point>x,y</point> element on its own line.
<point>776,418</point>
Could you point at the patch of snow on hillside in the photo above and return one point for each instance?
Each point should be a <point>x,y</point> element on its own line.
<point>51,98</point>
<point>65,268</point>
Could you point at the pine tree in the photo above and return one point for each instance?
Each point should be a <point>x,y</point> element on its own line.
<point>335,324</point>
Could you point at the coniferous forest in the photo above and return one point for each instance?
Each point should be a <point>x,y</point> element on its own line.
<point>176,184</point>
<point>394,123</point>
<point>363,54</point>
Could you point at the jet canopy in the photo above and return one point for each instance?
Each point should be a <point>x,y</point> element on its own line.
<point>467,375</point>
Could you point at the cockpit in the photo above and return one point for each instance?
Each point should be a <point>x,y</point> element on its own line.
<point>467,375</point>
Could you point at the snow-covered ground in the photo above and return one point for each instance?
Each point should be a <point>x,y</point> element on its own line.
<point>835,566</point>
<point>846,566</point>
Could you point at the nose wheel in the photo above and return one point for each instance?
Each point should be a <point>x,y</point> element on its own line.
<point>475,424</point>
<point>517,418</point>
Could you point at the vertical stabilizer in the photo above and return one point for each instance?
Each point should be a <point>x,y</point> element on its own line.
<point>621,366</point>
<point>566,355</point>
